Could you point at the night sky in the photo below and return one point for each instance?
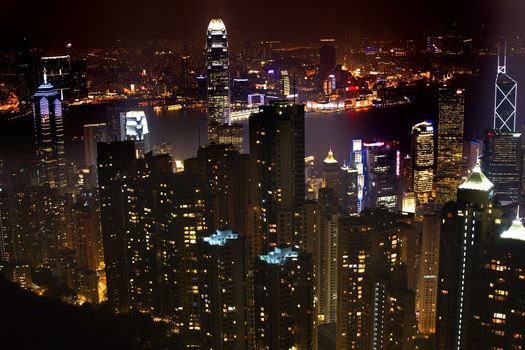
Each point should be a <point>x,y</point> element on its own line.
<point>90,23</point>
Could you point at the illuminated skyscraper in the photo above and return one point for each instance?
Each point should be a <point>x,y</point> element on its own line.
<point>499,309</point>
<point>218,77</point>
<point>49,130</point>
<point>277,152</point>
<point>375,309</point>
<point>382,186</point>
<point>59,74</point>
<point>428,275</point>
<point>134,127</point>
<point>450,143</point>
<point>502,163</point>
<point>506,90</point>
<point>423,160</point>
<point>466,226</point>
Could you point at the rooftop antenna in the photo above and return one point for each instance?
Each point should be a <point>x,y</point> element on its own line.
<point>502,68</point>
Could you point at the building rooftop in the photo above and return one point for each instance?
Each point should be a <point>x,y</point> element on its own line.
<point>278,256</point>
<point>477,181</point>
<point>516,229</point>
<point>330,157</point>
<point>220,237</point>
<point>216,24</point>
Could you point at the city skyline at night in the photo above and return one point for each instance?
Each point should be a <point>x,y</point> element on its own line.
<point>267,176</point>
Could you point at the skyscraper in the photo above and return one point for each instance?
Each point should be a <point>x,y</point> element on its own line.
<point>224,290</point>
<point>134,127</point>
<point>466,226</point>
<point>502,163</point>
<point>49,130</point>
<point>277,156</point>
<point>427,290</point>
<point>218,77</point>
<point>382,186</point>
<point>375,308</point>
<point>93,133</point>
<point>59,74</point>
<point>450,143</point>
<point>327,58</point>
<point>423,160</point>
<point>283,300</point>
<point>506,90</point>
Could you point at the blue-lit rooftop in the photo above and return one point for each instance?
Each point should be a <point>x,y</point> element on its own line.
<point>278,256</point>
<point>220,237</point>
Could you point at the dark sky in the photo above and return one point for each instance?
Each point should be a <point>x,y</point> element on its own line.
<point>54,22</point>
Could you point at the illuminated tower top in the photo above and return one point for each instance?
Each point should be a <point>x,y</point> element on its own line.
<point>505,99</point>
<point>516,230</point>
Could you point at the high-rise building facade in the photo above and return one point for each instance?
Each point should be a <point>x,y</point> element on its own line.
<point>423,161</point>
<point>49,131</point>
<point>58,70</point>
<point>277,157</point>
<point>466,226</point>
<point>450,143</point>
<point>502,163</point>
<point>426,302</point>
<point>327,59</point>
<point>133,126</point>
<point>382,185</point>
<point>375,308</point>
<point>93,134</point>
<point>224,290</point>
<point>283,300</point>
<point>218,77</point>
<point>505,99</point>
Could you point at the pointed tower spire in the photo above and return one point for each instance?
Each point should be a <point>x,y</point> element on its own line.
<point>45,76</point>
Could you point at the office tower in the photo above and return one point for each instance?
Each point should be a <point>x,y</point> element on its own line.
<point>350,190</point>
<point>283,300</point>
<point>375,308</point>
<point>93,134</point>
<point>79,83</point>
<point>325,258</point>
<point>286,88</point>
<point>218,77</point>
<point>231,134</point>
<point>427,290</point>
<point>327,58</point>
<point>224,290</point>
<point>502,163</point>
<point>25,69</point>
<point>241,88</point>
<point>450,143</point>
<point>499,309</point>
<point>277,152</point>
<point>357,161</point>
<point>133,126</point>
<point>332,173</point>
<point>466,226</point>
<point>381,161</point>
<point>49,131</point>
<point>423,161</point>
<point>58,69</point>
<point>506,90</point>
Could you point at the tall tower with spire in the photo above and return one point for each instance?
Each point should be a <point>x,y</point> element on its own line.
<point>218,78</point>
<point>49,132</point>
<point>506,90</point>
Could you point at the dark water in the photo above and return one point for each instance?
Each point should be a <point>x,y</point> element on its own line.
<point>323,130</point>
